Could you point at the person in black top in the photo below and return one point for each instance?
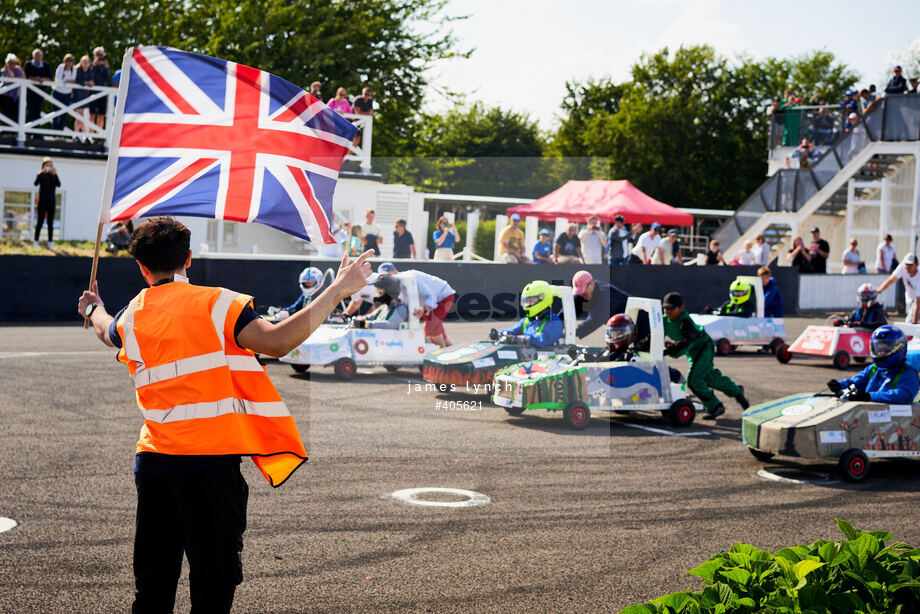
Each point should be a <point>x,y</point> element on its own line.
<point>714,254</point>
<point>897,84</point>
<point>37,71</point>
<point>364,105</point>
<point>799,256</point>
<point>818,252</point>
<point>100,68</point>
<point>47,181</point>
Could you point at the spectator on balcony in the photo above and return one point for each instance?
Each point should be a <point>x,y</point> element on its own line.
<point>850,105</point>
<point>714,255</point>
<point>868,101</point>
<point>316,90</point>
<point>64,76</point>
<point>914,81</point>
<point>673,246</point>
<point>747,256</point>
<point>776,118</point>
<point>593,241</point>
<point>84,79</point>
<point>792,119</point>
<point>806,154</point>
<point>852,261</point>
<point>568,246</point>
<point>618,241</point>
<point>100,68</point>
<point>885,256</point>
<point>372,237</point>
<point>647,246</point>
<point>9,100</point>
<point>852,122</point>
<point>761,251</point>
<point>798,256</point>
<point>36,70</point>
<point>823,125</point>
<point>403,244</point>
<point>364,105</point>
<point>511,242</point>
<point>445,238</point>
<point>543,250</point>
<point>356,241</point>
<point>897,84</point>
<point>340,102</point>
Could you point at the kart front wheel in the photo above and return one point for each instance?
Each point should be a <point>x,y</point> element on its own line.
<point>723,347</point>
<point>854,465</point>
<point>841,359</point>
<point>682,412</point>
<point>760,454</point>
<point>775,345</point>
<point>859,359</point>
<point>783,354</point>
<point>301,368</point>
<point>577,415</point>
<point>345,368</point>
<point>514,411</point>
<point>391,368</point>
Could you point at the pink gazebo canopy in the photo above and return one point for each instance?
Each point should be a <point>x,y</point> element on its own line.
<point>578,200</point>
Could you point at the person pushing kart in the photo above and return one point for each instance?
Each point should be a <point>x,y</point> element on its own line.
<point>740,301</point>
<point>889,379</point>
<point>870,313</point>
<point>540,327</point>
<point>683,336</point>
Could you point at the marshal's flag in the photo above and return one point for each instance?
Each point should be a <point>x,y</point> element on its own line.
<point>199,136</point>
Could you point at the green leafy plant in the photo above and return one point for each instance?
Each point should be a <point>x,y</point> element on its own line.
<point>862,573</point>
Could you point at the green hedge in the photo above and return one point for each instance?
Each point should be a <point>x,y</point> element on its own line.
<point>859,574</point>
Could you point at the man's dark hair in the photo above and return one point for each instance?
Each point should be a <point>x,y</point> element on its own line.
<point>401,222</point>
<point>160,244</point>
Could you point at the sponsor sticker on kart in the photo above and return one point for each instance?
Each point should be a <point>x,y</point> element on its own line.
<point>900,411</point>
<point>882,415</point>
<point>507,355</point>
<point>502,401</point>
<point>833,436</point>
<point>797,410</point>
<point>857,345</point>
<point>484,362</point>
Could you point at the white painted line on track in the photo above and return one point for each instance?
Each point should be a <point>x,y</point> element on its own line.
<point>6,524</point>
<point>775,474</point>
<point>652,429</point>
<point>411,495</point>
<point>81,353</point>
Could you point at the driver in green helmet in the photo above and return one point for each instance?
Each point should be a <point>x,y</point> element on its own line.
<point>540,327</point>
<point>740,301</point>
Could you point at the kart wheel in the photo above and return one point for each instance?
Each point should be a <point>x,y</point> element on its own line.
<point>723,347</point>
<point>391,368</point>
<point>776,344</point>
<point>841,359</point>
<point>783,354</point>
<point>760,454</point>
<point>577,415</point>
<point>859,359</point>
<point>514,411</point>
<point>854,465</point>
<point>345,368</point>
<point>682,412</point>
<point>300,368</point>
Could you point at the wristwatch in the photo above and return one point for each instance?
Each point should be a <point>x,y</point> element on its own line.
<point>90,309</point>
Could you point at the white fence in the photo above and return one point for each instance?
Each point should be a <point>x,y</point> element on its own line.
<point>838,292</point>
<point>93,134</point>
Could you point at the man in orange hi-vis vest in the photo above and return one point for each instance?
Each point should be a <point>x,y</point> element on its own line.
<point>206,402</point>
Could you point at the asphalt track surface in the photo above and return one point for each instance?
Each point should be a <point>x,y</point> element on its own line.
<point>578,522</point>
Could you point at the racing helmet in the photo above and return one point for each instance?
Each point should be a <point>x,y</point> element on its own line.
<point>867,295</point>
<point>739,291</point>
<point>888,346</point>
<point>536,297</point>
<point>310,281</point>
<point>621,331</point>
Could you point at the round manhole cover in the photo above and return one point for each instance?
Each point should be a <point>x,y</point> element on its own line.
<point>440,497</point>
<point>6,524</point>
<point>791,475</point>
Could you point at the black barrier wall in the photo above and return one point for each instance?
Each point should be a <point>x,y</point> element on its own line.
<point>46,288</point>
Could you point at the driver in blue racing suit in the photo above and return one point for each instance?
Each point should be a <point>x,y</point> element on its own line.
<point>311,285</point>
<point>889,379</point>
<point>540,327</point>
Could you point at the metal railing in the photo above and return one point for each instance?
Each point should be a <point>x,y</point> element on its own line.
<point>897,118</point>
<point>22,131</point>
<point>820,124</point>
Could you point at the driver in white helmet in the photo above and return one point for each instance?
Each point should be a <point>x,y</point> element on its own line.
<point>310,282</point>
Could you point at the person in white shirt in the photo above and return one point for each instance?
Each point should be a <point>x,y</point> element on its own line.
<point>340,234</point>
<point>884,255</point>
<point>645,248</point>
<point>593,242</point>
<point>65,74</point>
<point>852,261</point>
<point>435,297</point>
<point>908,273</point>
<point>747,257</point>
<point>761,251</point>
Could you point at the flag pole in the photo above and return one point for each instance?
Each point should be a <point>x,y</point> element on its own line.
<point>111,164</point>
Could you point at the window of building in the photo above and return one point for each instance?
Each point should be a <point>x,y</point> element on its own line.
<point>19,215</point>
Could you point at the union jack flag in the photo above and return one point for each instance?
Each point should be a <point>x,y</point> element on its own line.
<point>200,136</point>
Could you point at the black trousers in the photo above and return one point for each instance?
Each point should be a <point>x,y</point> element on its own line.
<point>202,514</point>
<point>45,211</point>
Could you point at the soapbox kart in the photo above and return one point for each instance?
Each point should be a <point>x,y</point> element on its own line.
<point>346,347</point>
<point>476,362</point>
<point>822,426</point>
<point>577,388</point>
<point>842,344</point>
<point>729,332</point>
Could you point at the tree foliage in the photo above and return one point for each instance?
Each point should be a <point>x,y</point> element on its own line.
<point>688,128</point>
<point>377,43</point>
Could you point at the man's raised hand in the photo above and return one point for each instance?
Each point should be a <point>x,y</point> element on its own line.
<point>352,276</point>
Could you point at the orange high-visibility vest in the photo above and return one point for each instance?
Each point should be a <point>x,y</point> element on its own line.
<point>199,392</point>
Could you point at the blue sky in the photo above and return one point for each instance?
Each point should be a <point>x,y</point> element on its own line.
<point>525,51</point>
